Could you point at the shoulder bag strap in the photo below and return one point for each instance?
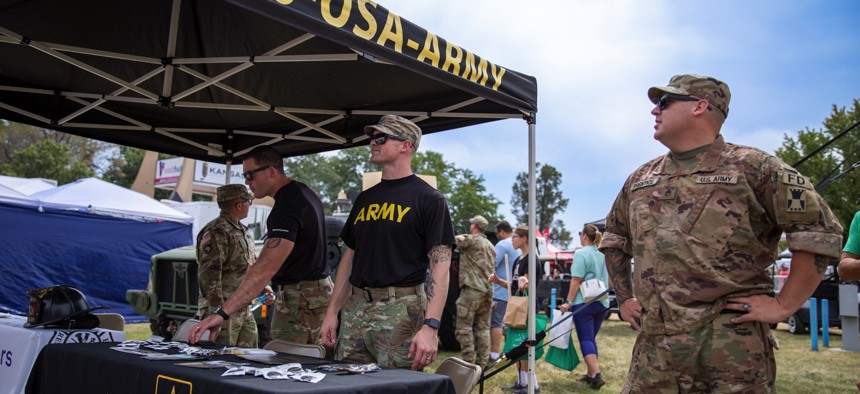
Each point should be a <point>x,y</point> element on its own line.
<point>508,274</point>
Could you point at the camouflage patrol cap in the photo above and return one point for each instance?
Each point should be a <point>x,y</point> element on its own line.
<point>233,192</point>
<point>715,91</point>
<point>397,126</point>
<point>479,221</point>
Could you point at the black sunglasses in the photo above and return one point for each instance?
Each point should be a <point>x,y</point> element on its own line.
<point>669,97</point>
<point>380,139</point>
<point>250,174</point>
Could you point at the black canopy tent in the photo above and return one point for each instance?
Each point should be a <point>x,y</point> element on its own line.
<point>212,79</point>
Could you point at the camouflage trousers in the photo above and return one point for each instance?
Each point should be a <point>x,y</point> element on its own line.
<point>473,324</point>
<point>300,310</point>
<point>380,331</point>
<point>240,330</point>
<point>719,357</point>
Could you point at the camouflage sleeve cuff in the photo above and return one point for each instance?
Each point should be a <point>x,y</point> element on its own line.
<point>614,241</point>
<point>824,244</point>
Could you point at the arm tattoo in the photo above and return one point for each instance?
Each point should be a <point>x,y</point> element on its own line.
<point>272,243</point>
<point>821,262</point>
<point>431,288</point>
<point>438,254</point>
<point>620,274</point>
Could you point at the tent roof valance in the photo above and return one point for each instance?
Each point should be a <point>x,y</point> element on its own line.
<point>212,79</point>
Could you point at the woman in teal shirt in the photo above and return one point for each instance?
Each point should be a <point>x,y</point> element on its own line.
<point>588,263</point>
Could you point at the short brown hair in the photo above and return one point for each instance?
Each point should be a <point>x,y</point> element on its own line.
<point>266,156</point>
<point>504,226</point>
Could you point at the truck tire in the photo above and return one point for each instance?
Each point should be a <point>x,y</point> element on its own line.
<point>153,327</point>
<point>333,252</point>
<point>795,325</point>
<point>161,327</point>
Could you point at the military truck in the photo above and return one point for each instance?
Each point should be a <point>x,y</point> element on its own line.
<point>172,292</point>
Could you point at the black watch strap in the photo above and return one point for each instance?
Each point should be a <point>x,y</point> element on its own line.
<point>432,323</point>
<point>220,312</point>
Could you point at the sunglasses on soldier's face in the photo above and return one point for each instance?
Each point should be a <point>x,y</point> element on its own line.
<point>380,139</point>
<point>250,174</point>
<point>669,97</point>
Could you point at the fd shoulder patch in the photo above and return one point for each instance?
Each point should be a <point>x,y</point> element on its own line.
<point>795,199</point>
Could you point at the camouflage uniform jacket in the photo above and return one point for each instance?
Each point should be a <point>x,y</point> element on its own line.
<point>702,232</point>
<point>225,251</point>
<point>477,261</point>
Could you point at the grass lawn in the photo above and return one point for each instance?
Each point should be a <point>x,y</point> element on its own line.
<point>799,369</point>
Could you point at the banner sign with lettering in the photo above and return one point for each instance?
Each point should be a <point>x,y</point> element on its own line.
<point>372,28</point>
<point>212,79</point>
<point>19,347</point>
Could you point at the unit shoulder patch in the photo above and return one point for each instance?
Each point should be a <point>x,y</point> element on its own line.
<point>795,179</point>
<point>795,199</point>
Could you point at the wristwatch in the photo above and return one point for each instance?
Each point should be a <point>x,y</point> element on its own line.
<point>220,312</point>
<point>432,323</point>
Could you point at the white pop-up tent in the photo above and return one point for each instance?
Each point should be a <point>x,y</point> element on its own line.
<point>26,186</point>
<point>102,198</point>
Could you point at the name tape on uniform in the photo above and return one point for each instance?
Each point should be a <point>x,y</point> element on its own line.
<point>731,179</point>
<point>645,183</point>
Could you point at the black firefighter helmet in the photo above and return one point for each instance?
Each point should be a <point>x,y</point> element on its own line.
<point>60,305</point>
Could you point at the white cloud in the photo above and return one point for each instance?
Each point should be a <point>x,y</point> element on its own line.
<point>786,64</point>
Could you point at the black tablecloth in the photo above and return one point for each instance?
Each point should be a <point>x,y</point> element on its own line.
<point>95,368</point>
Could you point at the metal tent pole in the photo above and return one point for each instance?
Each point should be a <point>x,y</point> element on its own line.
<point>532,259</point>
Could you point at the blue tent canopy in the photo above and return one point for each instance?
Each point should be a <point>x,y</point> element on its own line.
<point>47,243</point>
<point>100,255</point>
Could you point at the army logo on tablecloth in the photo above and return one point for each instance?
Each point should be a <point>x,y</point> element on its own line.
<point>168,385</point>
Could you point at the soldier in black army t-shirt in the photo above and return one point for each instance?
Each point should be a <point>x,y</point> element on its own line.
<point>395,231</point>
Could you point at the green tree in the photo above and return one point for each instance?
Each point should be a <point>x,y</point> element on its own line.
<point>469,197</point>
<point>549,200</point>
<point>466,194</point>
<point>46,159</point>
<point>842,194</point>
<point>16,137</point>
<point>318,172</point>
<point>328,175</point>
<point>432,163</point>
<point>352,163</point>
<point>124,164</point>
<point>123,167</point>
<point>560,235</point>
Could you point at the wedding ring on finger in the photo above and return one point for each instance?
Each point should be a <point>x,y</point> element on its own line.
<point>746,307</point>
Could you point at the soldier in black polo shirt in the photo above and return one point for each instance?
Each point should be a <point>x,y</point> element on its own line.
<point>293,257</point>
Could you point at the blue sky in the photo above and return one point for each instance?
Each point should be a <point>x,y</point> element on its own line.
<point>786,63</point>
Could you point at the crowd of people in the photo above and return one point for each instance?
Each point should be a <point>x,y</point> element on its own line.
<point>702,222</point>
